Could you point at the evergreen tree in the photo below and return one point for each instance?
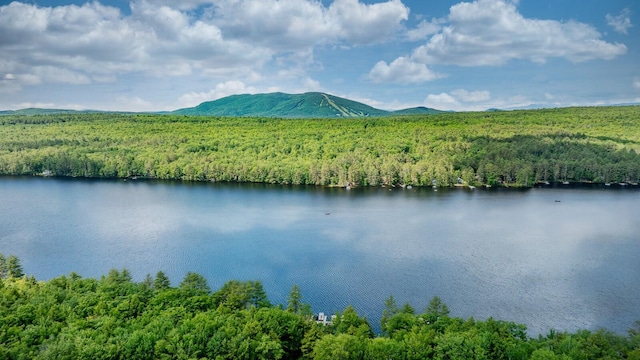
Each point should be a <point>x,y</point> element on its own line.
<point>195,282</point>
<point>294,300</point>
<point>436,310</point>
<point>148,281</point>
<point>14,269</point>
<point>408,309</point>
<point>258,297</point>
<point>161,281</point>
<point>390,309</point>
<point>3,266</point>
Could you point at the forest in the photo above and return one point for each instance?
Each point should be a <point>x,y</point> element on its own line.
<point>114,317</point>
<point>498,148</point>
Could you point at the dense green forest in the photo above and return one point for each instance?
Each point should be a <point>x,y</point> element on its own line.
<point>70,317</point>
<point>515,148</point>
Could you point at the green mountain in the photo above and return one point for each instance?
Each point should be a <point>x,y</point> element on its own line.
<point>416,110</point>
<point>307,105</point>
<point>281,105</point>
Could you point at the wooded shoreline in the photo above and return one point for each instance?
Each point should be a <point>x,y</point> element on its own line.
<point>513,149</point>
<point>113,317</point>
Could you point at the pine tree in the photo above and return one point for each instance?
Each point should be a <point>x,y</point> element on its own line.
<point>294,300</point>
<point>13,267</point>
<point>161,281</point>
<point>3,266</point>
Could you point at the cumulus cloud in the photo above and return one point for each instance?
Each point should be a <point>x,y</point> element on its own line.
<point>479,100</point>
<point>493,32</point>
<point>636,83</point>
<point>442,101</point>
<point>360,23</point>
<point>472,96</point>
<point>401,70</point>
<point>222,38</point>
<point>424,30</point>
<point>620,23</point>
<point>221,90</point>
<point>459,100</point>
<point>294,24</point>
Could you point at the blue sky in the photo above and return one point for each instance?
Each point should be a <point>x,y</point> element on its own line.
<point>150,55</point>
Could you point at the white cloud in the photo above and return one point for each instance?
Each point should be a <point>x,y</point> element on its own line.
<point>300,24</point>
<point>311,84</point>
<point>221,90</point>
<point>401,70</point>
<point>471,96</point>
<point>360,23</point>
<point>184,5</point>
<point>442,101</point>
<point>620,23</point>
<point>424,29</point>
<point>491,33</point>
<point>40,105</point>
<point>135,103</point>
<point>464,100</point>
<point>222,38</point>
<point>636,83</point>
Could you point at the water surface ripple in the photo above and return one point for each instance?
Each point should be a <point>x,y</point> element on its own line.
<point>549,258</point>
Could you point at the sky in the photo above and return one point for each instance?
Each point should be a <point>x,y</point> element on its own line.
<point>464,55</point>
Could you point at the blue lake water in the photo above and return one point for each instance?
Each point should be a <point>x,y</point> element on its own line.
<point>549,258</point>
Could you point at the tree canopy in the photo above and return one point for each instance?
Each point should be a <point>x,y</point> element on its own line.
<point>70,317</point>
<point>514,148</point>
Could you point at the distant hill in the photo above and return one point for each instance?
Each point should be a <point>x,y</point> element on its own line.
<point>307,105</point>
<point>416,110</point>
<point>36,111</point>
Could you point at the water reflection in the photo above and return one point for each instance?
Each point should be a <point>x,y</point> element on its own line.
<point>552,258</point>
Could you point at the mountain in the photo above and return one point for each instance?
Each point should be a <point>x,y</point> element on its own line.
<point>416,110</point>
<point>307,105</point>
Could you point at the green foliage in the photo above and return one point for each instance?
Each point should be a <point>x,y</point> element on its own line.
<point>516,148</point>
<point>236,295</point>
<point>348,322</point>
<point>70,317</point>
<point>195,283</point>
<point>161,281</point>
<point>436,310</point>
<point>390,310</point>
<point>294,300</point>
<point>10,267</point>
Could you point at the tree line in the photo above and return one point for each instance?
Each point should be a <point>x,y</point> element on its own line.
<point>114,317</point>
<point>516,148</point>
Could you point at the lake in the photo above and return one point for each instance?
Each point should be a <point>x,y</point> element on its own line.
<point>562,258</point>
